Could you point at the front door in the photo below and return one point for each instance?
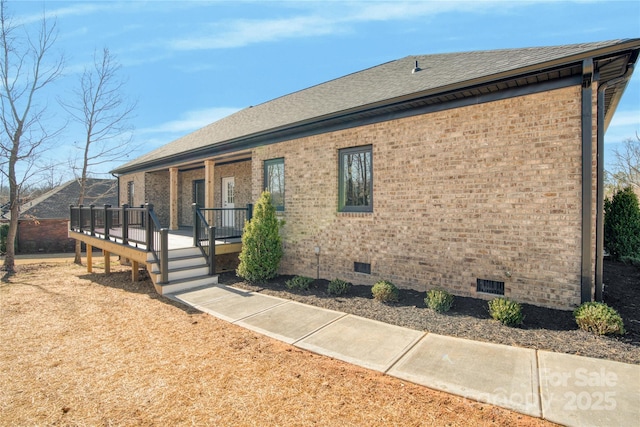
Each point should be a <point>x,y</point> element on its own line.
<point>228,194</point>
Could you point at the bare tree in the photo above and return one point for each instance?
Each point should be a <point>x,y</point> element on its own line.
<point>100,106</point>
<point>25,70</point>
<point>627,164</point>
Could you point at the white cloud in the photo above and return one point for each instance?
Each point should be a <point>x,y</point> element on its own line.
<point>388,11</point>
<point>330,18</point>
<point>244,32</point>
<point>624,125</point>
<point>626,118</point>
<point>75,10</point>
<point>191,121</point>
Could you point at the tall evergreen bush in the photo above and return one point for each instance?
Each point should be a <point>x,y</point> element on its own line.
<point>261,243</point>
<point>622,224</point>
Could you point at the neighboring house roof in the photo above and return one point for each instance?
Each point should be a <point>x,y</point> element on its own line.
<point>55,203</point>
<point>441,78</point>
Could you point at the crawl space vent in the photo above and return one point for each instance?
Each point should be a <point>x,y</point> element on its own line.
<point>362,267</point>
<point>490,286</point>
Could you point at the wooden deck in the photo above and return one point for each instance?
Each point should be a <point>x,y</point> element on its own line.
<point>136,252</point>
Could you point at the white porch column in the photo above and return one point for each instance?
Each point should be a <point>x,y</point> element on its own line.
<point>173,199</point>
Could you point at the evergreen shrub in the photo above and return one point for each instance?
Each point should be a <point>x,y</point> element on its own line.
<point>385,291</point>
<point>439,300</point>
<point>338,287</point>
<point>622,225</point>
<point>261,243</point>
<point>505,311</point>
<point>599,318</point>
<point>299,283</point>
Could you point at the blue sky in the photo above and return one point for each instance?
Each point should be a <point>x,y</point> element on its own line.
<point>189,63</point>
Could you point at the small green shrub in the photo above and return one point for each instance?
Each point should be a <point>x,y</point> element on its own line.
<point>299,283</point>
<point>439,300</point>
<point>261,243</point>
<point>599,318</point>
<point>506,311</point>
<point>385,291</point>
<point>338,287</point>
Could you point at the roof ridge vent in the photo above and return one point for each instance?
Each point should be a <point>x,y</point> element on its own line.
<point>416,68</point>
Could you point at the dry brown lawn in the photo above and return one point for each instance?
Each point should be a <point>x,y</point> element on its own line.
<point>89,349</point>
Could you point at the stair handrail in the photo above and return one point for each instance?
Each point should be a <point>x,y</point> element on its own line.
<point>203,232</point>
<point>158,242</point>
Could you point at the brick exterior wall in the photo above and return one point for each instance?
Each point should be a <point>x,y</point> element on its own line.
<point>185,196</point>
<point>490,191</point>
<point>241,171</point>
<point>138,180</point>
<point>153,187</point>
<point>156,189</point>
<point>149,187</point>
<point>45,235</point>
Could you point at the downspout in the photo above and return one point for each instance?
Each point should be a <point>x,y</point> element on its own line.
<point>587,180</point>
<point>602,87</point>
<point>118,181</point>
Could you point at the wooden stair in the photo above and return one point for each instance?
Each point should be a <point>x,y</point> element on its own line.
<point>188,269</point>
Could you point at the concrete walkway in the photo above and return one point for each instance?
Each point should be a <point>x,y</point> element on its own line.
<point>566,389</point>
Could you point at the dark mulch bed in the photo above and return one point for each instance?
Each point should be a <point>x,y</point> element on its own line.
<point>543,328</point>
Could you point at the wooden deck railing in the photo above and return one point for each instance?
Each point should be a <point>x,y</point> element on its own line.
<point>211,224</point>
<point>138,226</point>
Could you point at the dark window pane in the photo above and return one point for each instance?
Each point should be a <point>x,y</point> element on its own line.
<point>198,192</point>
<point>356,183</point>
<point>274,181</point>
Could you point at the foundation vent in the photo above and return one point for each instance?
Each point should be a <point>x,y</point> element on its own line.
<point>362,267</point>
<point>490,286</point>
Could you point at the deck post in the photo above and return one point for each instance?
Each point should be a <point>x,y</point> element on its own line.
<point>134,271</point>
<point>107,221</point>
<point>212,250</point>
<point>249,211</point>
<point>196,224</point>
<point>149,229</point>
<point>71,218</point>
<point>92,221</point>
<point>89,258</point>
<point>125,225</point>
<point>107,261</point>
<point>164,255</point>
<point>80,218</point>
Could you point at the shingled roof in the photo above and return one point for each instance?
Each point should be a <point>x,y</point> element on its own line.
<point>394,82</point>
<point>55,203</point>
